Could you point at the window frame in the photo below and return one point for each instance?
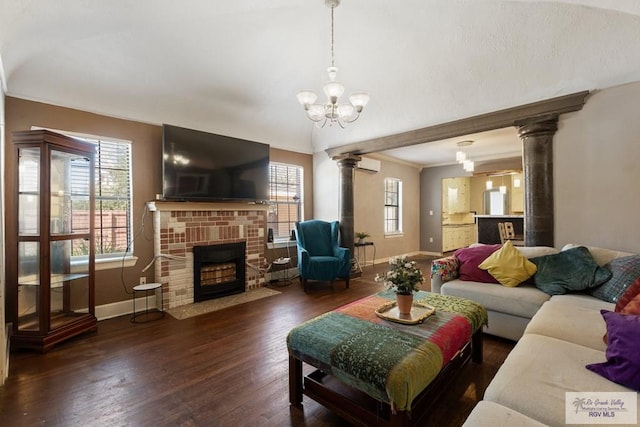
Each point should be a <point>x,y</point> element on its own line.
<point>393,207</point>
<point>124,258</point>
<point>272,202</point>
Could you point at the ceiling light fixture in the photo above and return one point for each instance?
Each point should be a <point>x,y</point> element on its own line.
<point>332,111</point>
<point>463,157</point>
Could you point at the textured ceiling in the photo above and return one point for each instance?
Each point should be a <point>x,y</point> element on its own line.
<point>234,67</point>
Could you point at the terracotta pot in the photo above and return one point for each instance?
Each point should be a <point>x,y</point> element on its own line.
<point>404,303</point>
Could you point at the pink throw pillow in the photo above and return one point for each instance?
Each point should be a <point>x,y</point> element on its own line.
<point>629,295</point>
<point>470,258</point>
<point>632,307</point>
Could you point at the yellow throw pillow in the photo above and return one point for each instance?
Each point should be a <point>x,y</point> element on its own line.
<point>508,266</point>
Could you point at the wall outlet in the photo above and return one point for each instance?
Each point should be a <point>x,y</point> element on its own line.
<point>430,239</point>
<point>143,280</point>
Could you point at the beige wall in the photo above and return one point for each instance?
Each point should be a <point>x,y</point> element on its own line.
<point>369,208</point>
<point>597,171</point>
<point>326,189</point>
<point>147,175</point>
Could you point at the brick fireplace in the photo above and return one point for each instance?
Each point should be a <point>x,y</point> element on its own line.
<point>179,226</point>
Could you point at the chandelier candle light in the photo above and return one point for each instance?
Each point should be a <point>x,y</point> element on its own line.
<point>332,111</point>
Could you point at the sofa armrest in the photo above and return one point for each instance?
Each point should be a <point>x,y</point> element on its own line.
<point>443,270</point>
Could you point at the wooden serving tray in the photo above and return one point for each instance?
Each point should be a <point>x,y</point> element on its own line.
<point>419,312</point>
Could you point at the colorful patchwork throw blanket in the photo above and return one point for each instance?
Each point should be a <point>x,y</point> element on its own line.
<point>391,362</point>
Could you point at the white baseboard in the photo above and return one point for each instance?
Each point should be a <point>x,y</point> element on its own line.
<point>386,260</point>
<point>7,336</point>
<point>431,253</point>
<point>121,308</point>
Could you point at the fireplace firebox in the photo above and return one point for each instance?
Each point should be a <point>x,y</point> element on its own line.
<point>218,270</point>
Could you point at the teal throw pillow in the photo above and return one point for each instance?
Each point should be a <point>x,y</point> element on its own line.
<point>625,271</point>
<point>572,270</point>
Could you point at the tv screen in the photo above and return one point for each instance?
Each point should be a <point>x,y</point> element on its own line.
<point>201,166</point>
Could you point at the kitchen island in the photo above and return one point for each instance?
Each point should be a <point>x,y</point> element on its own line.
<point>488,226</point>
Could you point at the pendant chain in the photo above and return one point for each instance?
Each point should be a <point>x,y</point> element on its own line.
<point>332,63</point>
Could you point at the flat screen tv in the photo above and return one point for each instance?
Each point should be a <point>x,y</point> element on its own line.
<point>201,166</point>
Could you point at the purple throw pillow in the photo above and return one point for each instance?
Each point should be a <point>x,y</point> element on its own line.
<point>471,258</point>
<point>623,350</point>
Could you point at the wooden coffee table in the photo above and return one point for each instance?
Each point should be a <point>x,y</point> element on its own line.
<point>373,371</point>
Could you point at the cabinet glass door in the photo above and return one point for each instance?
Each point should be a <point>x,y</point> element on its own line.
<point>29,191</point>
<point>69,193</point>
<point>28,286</point>
<point>69,280</point>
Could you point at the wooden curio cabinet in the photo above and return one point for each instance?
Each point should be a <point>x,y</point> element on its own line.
<point>50,279</point>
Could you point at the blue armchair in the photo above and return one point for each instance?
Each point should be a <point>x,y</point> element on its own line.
<point>320,256</point>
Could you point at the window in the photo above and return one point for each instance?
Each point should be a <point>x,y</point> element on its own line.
<point>285,199</point>
<point>113,196</point>
<point>392,206</point>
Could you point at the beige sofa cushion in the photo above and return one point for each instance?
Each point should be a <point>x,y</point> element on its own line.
<point>601,256</point>
<point>583,300</point>
<point>536,251</point>
<point>562,319</point>
<point>523,301</point>
<point>493,414</point>
<point>537,373</point>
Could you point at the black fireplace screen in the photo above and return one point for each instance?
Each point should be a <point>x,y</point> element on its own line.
<point>218,270</point>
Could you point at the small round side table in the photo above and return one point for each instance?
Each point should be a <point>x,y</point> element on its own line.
<point>148,314</point>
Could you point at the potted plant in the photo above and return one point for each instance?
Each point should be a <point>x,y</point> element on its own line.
<point>404,278</point>
<point>361,235</point>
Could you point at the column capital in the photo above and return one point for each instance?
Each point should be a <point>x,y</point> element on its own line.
<point>544,126</point>
<point>348,160</point>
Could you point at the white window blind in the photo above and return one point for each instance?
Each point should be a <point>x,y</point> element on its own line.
<point>392,206</point>
<point>113,196</point>
<point>285,199</point>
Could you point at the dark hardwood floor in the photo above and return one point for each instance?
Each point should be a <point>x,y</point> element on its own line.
<point>226,368</point>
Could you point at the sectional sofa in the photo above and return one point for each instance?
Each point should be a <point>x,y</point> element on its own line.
<point>509,308</point>
<point>558,336</point>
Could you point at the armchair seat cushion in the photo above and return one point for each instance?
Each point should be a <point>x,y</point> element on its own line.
<point>324,268</point>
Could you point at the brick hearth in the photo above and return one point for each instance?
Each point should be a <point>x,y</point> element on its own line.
<point>179,226</point>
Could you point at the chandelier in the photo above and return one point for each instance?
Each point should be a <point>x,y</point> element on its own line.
<point>333,111</point>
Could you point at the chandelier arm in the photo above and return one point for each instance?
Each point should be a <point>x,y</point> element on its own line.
<point>320,126</point>
<point>313,120</point>
<point>356,117</point>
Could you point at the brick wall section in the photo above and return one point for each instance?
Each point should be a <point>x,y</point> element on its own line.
<point>177,232</point>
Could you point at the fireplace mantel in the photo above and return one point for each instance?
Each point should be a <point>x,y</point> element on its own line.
<point>179,226</point>
<point>165,206</point>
